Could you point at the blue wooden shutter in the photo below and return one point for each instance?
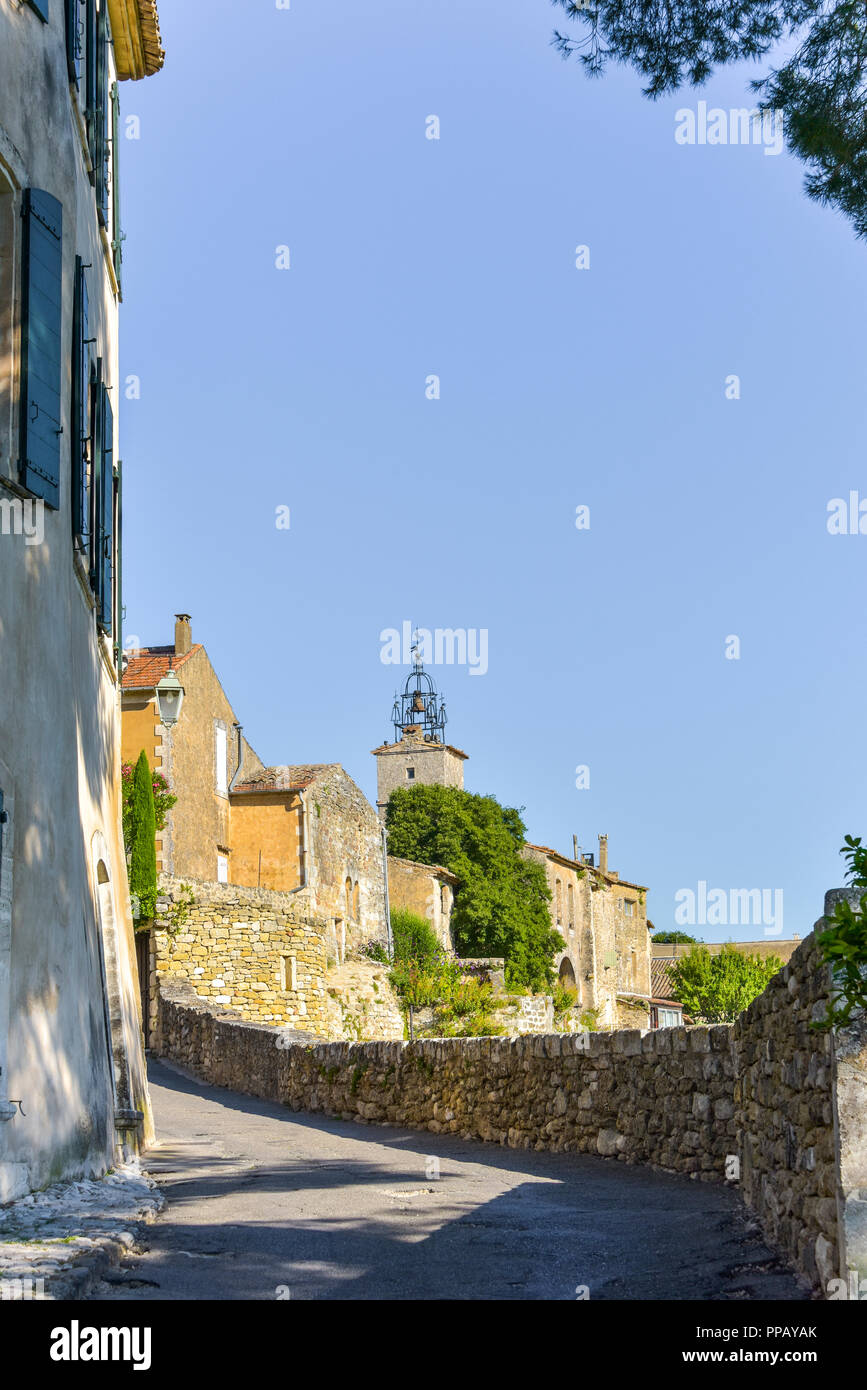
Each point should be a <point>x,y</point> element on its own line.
<point>90,76</point>
<point>80,418</point>
<point>101,145</point>
<point>106,528</point>
<point>4,816</point>
<point>97,448</point>
<point>116,233</point>
<point>73,41</point>
<point>118,565</point>
<point>41,314</point>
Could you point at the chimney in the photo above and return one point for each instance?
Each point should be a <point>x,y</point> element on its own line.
<point>603,853</point>
<point>183,634</point>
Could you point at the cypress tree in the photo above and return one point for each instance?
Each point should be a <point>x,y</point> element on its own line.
<point>143,850</point>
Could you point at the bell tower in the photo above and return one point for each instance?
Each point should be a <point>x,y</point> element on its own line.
<point>419,755</point>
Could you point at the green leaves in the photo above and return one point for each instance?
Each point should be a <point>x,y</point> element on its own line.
<point>844,944</point>
<point>717,988</point>
<point>142,840</point>
<point>821,88</point>
<point>501,900</point>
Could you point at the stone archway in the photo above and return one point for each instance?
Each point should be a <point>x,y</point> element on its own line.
<point>567,974</point>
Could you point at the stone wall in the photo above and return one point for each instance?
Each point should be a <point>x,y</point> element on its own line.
<point>257,952</point>
<point>787,1096</point>
<point>662,1097</point>
<point>787,1104</point>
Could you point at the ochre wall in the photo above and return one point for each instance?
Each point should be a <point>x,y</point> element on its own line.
<point>269,824</point>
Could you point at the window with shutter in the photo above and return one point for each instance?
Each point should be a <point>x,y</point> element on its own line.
<point>106,531</point>
<point>73,40</point>
<point>118,569</point>
<point>116,233</point>
<point>41,314</point>
<point>101,149</point>
<point>90,75</point>
<point>80,417</point>
<point>97,450</point>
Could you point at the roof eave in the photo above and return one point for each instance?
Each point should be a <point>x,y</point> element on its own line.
<point>135,31</point>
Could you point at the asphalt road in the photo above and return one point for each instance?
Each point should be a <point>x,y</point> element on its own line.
<point>264,1203</point>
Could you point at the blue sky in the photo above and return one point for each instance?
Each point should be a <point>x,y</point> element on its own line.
<point>560,387</point>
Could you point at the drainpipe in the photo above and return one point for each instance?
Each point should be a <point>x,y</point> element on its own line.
<point>240,761</point>
<point>390,946</point>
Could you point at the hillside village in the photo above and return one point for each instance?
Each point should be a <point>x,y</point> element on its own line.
<point>219,1004</point>
<point>305,838</point>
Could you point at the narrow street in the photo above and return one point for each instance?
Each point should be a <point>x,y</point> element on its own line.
<point>263,1203</point>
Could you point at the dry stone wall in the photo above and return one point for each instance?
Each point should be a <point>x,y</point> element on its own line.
<point>252,950</point>
<point>769,1099</point>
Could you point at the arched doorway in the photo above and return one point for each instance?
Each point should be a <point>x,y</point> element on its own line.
<point>567,974</point>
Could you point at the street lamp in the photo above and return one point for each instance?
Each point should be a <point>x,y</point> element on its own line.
<point>170,697</point>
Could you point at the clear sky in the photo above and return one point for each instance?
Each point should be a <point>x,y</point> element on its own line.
<point>604,387</point>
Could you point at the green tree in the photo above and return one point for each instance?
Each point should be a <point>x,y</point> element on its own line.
<point>819,89</point>
<point>674,937</point>
<point>163,799</point>
<point>142,841</point>
<point>717,988</point>
<point>501,898</point>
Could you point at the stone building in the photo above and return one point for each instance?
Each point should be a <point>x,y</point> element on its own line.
<point>199,752</point>
<point>603,921</point>
<point>306,830</point>
<point>428,890</point>
<point>311,831</point>
<point>73,1091</point>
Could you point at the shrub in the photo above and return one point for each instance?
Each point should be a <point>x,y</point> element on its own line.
<point>565,998</point>
<point>414,938</point>
<point>844,944</point>
<point>375,951</point>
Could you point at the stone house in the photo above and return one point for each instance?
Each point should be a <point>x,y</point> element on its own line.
<point>73,1092</point>
<point>428,890</point>
<point>306,830</point>
<point>199,754</point>
<point>309,830</point>
<point>603,921</point>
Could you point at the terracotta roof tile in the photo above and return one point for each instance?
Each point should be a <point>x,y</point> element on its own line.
<point>285,779</point>
<point>661,987</point>
<point>146,667</point>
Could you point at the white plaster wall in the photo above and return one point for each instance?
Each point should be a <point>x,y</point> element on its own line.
<point>59,707</point>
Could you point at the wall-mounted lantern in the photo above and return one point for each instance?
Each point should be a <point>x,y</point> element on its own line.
<point>170,697</point>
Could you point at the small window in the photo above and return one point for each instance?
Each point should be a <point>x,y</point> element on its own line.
<point>222,869</point>
<point>410,774</point>
<point>628,905</point>
<point>288,974</point>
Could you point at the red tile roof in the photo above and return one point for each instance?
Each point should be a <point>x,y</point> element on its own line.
<point>146,667</point>
<point>285,779</point>
<point>661,988</point>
